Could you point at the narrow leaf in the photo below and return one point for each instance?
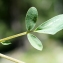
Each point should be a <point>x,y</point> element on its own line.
<point>6,42</point>
<point>51,26</point>
<point>35,42</point>
<point>31,18</point>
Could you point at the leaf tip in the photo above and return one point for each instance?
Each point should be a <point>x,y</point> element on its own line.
<point>40,49</point>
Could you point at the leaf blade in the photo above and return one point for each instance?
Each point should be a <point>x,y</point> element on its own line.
<point>31,18</point>
<point>35,42</point>
<point>51,26</point>
<point>6,43</point>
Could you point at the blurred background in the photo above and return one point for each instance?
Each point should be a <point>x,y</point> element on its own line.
<point>12,21</point>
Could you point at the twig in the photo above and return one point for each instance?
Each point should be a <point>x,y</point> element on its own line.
<point>10,58</point>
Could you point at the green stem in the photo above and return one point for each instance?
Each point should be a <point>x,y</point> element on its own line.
<point>14,36</point>
<point>10,58</point>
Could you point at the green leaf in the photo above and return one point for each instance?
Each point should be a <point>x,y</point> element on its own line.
<point>35,42</point>
<point>51,26</point>
<point>6,42</point>
<point>31,18</point>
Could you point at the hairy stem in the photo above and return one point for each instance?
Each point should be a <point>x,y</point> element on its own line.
<point>10,58</point>
<point>14,36</point>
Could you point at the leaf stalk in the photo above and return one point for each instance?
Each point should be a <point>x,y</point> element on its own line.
<point>14,36</point>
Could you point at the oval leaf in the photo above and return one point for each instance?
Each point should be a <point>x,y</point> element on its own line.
<point>35,42</point>
<point>31,18</point>
<point>6,42</point>
<point>51,26</point>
